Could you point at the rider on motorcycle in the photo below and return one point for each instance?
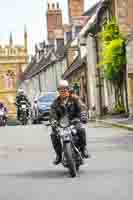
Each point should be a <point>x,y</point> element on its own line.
<point>3,108</point>
<point>19,98</point>
<point>75,109</point>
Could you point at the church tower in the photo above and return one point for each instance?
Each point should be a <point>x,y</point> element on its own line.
<point>75,8</point>
<point>14,59</point>
<point>54,19</point>
<point>10,40</point>
<point>25,39</point>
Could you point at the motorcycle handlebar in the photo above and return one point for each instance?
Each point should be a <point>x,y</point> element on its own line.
<point>74,121</point>
<point>56,123</point>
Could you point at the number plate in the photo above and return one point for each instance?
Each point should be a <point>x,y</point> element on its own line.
<point>23,106</point>
<point>67,131</point>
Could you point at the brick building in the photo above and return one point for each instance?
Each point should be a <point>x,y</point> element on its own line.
<point>75,8</point>
<point>54,21</point>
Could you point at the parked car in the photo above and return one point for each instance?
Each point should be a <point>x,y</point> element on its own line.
<point>44,104</point>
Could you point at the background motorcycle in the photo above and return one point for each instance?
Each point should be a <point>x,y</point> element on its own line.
<point>2,117</point>
<point>23,112</point>
<point>71,155</point>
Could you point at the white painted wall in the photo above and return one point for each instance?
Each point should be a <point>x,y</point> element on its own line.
<point>91,64</point>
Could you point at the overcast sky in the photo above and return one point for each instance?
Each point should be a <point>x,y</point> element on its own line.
<point>14,14</point>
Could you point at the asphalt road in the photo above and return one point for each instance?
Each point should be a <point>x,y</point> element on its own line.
<point>27,172</point>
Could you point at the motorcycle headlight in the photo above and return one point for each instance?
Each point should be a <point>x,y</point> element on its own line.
<point>74,131</point>
<point>64,122</point>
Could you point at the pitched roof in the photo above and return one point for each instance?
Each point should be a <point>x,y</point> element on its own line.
<point>92,10</point>
<point>90,25</point>
<point>78,62</point>
<point>36,67</point>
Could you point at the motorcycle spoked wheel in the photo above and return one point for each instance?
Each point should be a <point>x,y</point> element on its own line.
<point>2,122</point>
<point>77,157</point>
<point>70,160</point>
<point>24,119</point>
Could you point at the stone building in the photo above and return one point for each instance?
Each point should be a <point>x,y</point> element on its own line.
<point>123,10</point>
<point>13,61</point>
<point>99,94</point>
<point>77,67</point>
<point>43,74</point>
<point>100,90</point>
<point>49,62</point>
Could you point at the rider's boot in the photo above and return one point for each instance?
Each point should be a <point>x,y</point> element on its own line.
<point>18,114</point>
<point>57,147</point>
<point>83,145</point>
<point>85,152</point>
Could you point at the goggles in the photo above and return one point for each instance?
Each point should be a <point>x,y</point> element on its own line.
<point>63,92</point>
<point>63,89</point>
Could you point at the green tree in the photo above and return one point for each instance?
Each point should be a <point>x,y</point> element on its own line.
<point>114,60</point>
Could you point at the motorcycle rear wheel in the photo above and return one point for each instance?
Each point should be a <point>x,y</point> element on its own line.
<point>70,160</point>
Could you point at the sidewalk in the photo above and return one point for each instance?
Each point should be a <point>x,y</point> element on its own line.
<point>118,121</point>
<point>12,122</point>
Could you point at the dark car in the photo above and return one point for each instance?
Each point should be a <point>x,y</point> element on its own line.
<point>44,105</point>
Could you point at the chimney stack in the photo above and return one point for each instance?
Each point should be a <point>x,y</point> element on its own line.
<point>54,20</point>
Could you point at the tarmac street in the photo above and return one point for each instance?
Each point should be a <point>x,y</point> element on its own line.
<point>27,172</point>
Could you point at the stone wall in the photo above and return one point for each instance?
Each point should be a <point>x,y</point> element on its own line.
<point>124,13</point>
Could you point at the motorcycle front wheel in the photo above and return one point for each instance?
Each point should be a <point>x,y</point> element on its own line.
<point>24,120</point>
<point>70,160</point>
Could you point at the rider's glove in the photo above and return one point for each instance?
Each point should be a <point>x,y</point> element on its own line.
<point>84,117</point>
<point>54,123</point>
<point>54,126</point>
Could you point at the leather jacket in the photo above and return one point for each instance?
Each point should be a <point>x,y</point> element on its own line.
<point>20,98</point>
<point>74,108</point>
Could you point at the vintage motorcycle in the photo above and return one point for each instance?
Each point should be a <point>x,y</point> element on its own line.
<point>23,112</point>
<point>71,155</point>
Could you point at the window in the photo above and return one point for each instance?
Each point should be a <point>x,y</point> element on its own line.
<point>68,36</point>
<point>77,30</point>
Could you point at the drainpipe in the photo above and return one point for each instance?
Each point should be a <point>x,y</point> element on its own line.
<point>125,82</point>
<point>39,83</point>
<point>126,86</point>
<point>99,85</point>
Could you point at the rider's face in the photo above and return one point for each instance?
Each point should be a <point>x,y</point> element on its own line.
<point>63,92</point>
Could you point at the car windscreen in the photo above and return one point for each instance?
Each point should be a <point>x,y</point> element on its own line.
<point>47,98</point>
